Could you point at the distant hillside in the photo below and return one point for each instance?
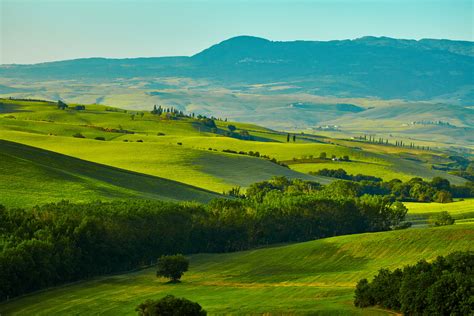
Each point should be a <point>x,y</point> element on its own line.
<point>31,175</point>
<point>369,66</point>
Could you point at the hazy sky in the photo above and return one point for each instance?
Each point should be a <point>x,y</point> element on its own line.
<point>43,30</point>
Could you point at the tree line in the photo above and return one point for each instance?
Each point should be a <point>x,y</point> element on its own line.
<point>56,243</point>
<point>385,141</point>
<point>415,190</point>
<point>443,287</point>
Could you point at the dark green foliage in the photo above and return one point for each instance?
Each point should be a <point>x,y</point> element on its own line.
<point>342,174</point>
<point>80,107</point>
<point>99,138</point>
<point>78,135</point>
<point>62,105</point>
<point>172,267</point>
<point>441,219</point>
<point>170,306</point>
<point>444,287</point>
<point>231,128</point>
<point>416,190</point>
<point>209,122</point>
<point>63,242</point>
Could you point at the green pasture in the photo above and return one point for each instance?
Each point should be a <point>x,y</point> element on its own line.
<point>461,210</point>
<point>33,176</point>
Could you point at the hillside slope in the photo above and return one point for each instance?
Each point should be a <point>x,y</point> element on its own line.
<point>316,277</point>
<point>31,175</point>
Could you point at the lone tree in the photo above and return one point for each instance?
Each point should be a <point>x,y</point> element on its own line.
<point>170,305</point>
<point>62,105</point>
<point>231,128</point>
<point>172,267</point>
<point>288,137</point>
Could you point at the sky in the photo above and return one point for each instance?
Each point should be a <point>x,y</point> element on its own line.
<point>33,31</point>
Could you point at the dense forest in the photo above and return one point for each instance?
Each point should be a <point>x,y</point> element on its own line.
<point>57,243</point>
<point>443,287</point>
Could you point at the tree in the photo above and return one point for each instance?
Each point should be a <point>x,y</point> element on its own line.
<point>294,138</point>
<point>443,197</point>
<point>288,138</point>
<point>440,184</point>
<point>231,128</point>
<point>172,267</point>
<point>323,155</point>
<point>170,306</point>
<point>62,105</point>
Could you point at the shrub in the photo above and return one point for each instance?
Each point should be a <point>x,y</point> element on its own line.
<point>168,306</point>
<point>78,135</point>
<point>441,219</point>
<point>172,267</point>
<point>99,138</point>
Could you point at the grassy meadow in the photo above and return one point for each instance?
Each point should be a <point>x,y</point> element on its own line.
<point>33,176</point>
<point>419,213</point>
<point>316,277</point>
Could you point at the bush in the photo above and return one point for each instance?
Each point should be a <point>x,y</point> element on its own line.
<point>78,135</point>
<point>441,219</point>
<point>99,138</point>
<point>172,267</point>
<point>170,305</point>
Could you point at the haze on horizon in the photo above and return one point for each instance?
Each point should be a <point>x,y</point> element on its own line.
<point>33,31</point>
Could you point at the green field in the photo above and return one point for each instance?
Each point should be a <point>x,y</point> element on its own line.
<point>419,213</point>
<point>33,176</point>
<point>316,277</point>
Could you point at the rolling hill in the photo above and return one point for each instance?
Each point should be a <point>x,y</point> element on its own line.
<point>316,277</point>
<point>33,176</point>
<point>186,151</point>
